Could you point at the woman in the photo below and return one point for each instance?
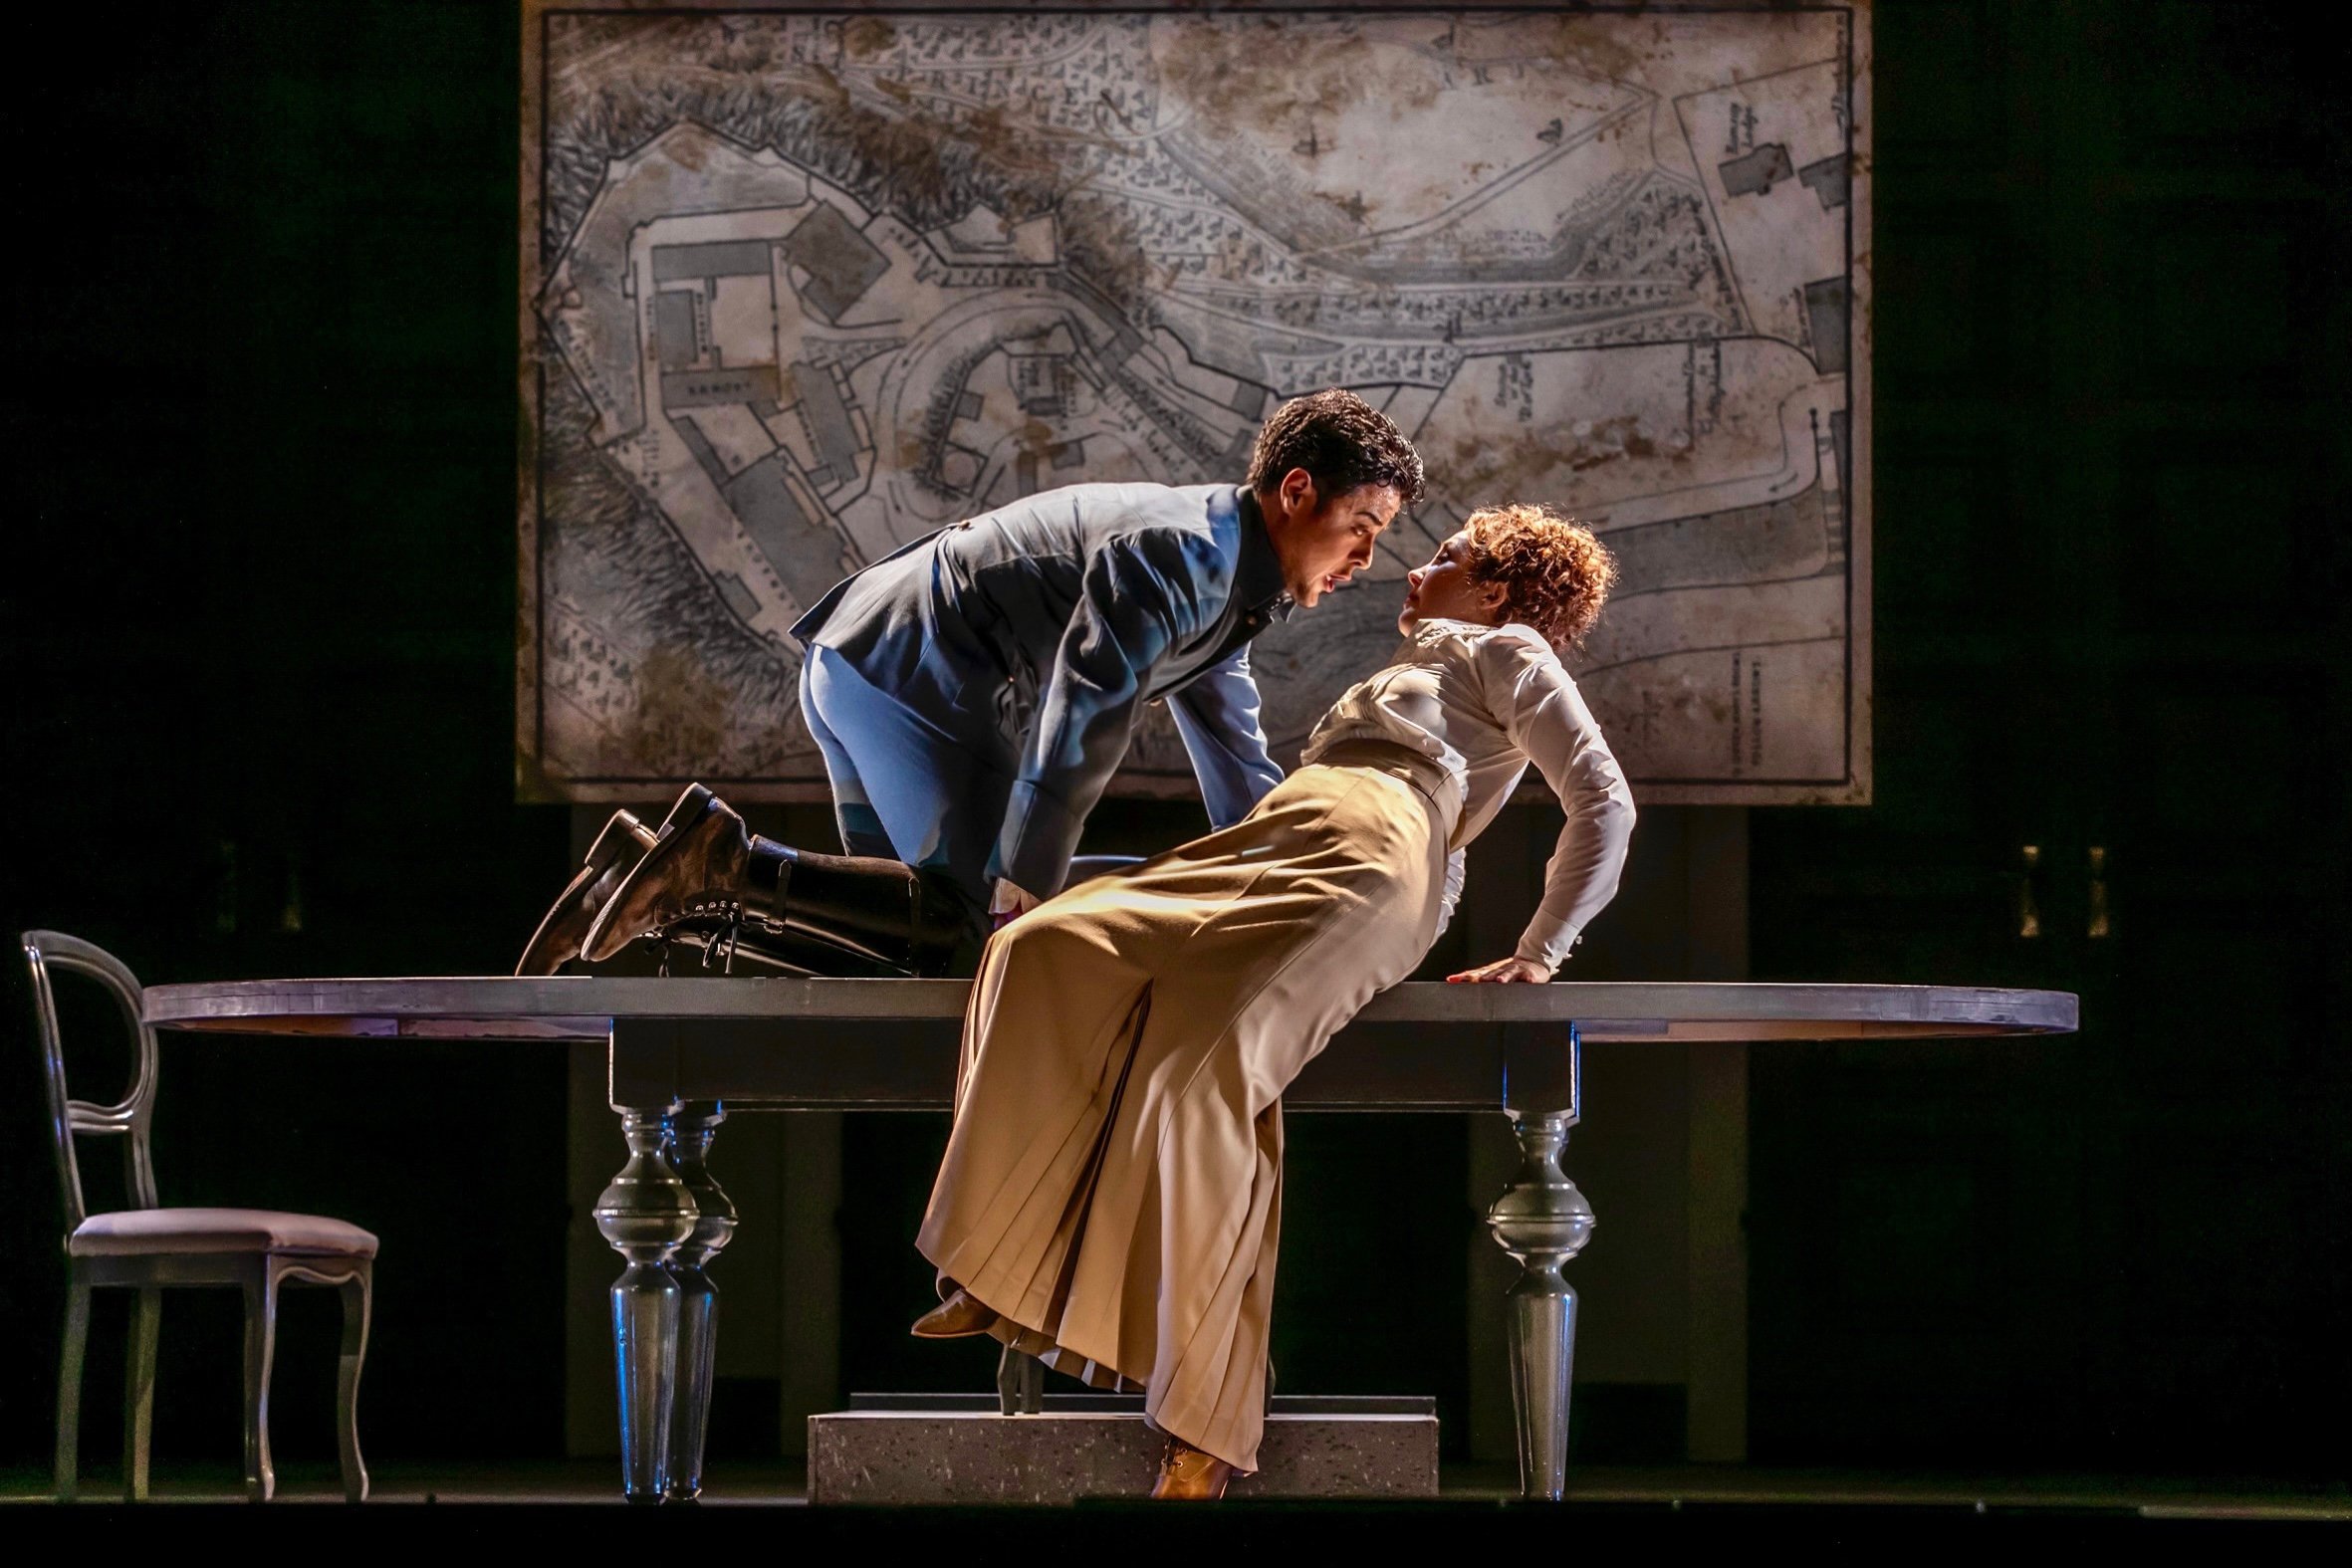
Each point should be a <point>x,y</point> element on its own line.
<point>1111,1193</point>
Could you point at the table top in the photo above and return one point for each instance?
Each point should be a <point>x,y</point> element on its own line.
<point>587,1008</point>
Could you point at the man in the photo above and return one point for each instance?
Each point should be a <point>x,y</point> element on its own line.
<point>972,694</point>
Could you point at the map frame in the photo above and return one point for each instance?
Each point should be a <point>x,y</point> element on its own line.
<point>536,780</point>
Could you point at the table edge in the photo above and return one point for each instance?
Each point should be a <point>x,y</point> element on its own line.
<point>587,1007</point>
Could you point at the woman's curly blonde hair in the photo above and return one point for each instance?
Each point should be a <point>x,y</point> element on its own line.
<point>1554,573</point>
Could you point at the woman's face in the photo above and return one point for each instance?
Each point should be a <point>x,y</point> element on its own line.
<point>1444,590</point>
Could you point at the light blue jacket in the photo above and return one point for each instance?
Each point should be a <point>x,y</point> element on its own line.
<point>1038,632</point>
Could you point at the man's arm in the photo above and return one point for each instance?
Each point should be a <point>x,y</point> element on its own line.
<point>1217,715</point>
<point>1139,598</point>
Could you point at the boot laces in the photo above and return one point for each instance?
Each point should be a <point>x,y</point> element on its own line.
<point>1181,1459</point>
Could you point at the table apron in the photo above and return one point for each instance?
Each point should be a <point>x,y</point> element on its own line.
<point>910,1064</point>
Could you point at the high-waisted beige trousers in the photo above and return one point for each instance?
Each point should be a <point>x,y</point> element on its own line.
<point>1112,1189</point>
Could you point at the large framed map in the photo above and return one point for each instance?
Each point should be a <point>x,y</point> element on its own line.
<point>800,285</point>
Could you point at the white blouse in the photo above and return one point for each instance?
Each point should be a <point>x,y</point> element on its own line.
<point>1484,702</point>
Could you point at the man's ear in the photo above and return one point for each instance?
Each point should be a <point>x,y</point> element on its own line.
<point>1297,491</point>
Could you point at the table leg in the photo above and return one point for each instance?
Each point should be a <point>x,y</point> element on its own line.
<point>1021,1384</point>
<point>1542,1220</point>
<point>644,1214</point>
<point>692,1126</point>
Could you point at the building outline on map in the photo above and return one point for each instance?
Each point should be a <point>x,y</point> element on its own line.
<point>801,287</point>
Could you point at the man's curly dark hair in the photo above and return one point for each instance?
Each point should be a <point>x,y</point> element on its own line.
<point>1341,441</point>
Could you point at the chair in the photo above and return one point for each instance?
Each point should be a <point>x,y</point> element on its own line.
<point>147,1249</point>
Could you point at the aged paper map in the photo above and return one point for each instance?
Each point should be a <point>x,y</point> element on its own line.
<point>802,287</point>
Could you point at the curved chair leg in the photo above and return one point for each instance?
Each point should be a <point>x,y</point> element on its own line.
<point>261,1349</point>
<point>358,1306</point>
<point>138,1392</point>
<point>68,1382</point>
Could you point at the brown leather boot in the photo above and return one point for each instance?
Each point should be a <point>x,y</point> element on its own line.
<point>698,858</point>
<point>958,1317</point>
<point>619,847</point>
<point>1189,1476</point>
<point>710,876</point>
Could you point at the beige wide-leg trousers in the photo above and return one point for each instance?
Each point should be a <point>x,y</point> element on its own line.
<point>1113,1188</point>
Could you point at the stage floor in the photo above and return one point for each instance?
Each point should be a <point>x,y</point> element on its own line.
<point>1632,1491</point>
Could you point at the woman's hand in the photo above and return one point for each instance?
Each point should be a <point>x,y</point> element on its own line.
<point>1510,970</point>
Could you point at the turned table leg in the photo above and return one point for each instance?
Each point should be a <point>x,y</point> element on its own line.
<point>644,1214</point>
<point>692,1126</point>
<point>1542,1220</point>
<point>1020,1383</point>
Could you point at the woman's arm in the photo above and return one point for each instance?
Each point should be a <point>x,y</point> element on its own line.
<point>1541,709</point>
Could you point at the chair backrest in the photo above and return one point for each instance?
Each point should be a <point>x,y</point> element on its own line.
<point>51,951</point>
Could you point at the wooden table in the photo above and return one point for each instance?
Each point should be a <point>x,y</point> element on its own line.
<point>685,1052</point>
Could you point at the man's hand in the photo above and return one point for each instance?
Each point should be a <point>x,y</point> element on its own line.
<point>1506,972</point>
<point>1009,904</point>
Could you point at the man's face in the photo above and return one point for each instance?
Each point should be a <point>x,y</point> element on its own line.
<point>1323,543</point>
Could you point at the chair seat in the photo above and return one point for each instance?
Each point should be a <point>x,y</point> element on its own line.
<point>141,1232</point>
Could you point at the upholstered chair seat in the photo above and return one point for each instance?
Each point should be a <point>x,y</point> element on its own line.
<point>132,1231</point>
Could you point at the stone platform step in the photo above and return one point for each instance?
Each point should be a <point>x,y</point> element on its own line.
<point>958,1448</point>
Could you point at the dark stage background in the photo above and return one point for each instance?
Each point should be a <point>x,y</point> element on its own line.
<point>259,617</point>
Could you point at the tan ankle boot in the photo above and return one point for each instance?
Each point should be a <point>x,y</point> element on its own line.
<point>1188,1474</point>
<point>958,1317</point>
